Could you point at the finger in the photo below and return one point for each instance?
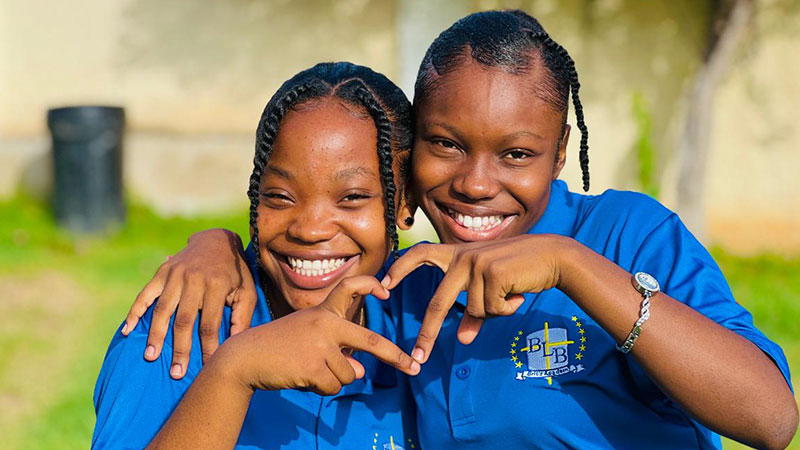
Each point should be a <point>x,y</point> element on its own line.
<point>341,369</point>
<point>475,301</point>
<point>440,304</point>
<point>343,299</point>
<point>162,311</point>
<point>499,298</point>
<point>468,329</point>
<point>360,338</point>
<point>439,255</point>
<point>244,304</point>
<point>210,319</point>
<point>357,367</point>
<point>182,331</point>
<point>326,383</point>
<point>146,297</point>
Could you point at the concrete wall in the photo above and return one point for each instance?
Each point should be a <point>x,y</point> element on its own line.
<point>194,77</point>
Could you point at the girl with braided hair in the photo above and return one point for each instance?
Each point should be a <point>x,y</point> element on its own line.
<point>323,211</point>
<point>613,327</point>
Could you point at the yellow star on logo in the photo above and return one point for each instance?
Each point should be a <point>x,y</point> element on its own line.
<point>574,318</point>
<point>513,344</point>
<point>516,338</point>
<point>519,332</point>
<point>577,323</point>
<point>513,358</point>
<point>578,356</point>
<point>582,347</point>
<point>518,364</point>
<point>583,339</point>
<point>513,351</point>
<point>581,331</point>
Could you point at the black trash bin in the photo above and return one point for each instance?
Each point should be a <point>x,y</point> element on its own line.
<point>87,154</point>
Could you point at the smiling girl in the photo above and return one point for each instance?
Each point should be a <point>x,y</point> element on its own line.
<point>616,327</point>
<point>324,203</point>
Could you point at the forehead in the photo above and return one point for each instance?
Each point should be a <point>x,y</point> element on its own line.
<point>491,100</point>
<point>325,137</point>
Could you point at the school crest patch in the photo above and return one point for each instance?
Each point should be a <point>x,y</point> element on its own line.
<point>549,352</point>
<point>381,444</point>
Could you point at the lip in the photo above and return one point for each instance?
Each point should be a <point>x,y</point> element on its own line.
<point>465,234</point>
<point>319,281</point>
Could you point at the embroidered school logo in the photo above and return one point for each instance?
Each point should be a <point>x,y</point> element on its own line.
<point>392,445</point>
<point>548,352</point>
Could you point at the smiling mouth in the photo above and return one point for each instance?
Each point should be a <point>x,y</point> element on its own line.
<point>315,267</point>
<point>476,223</point>
<point>310,272</point>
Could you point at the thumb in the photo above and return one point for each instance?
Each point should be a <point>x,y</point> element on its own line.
<point>357,367</point>
<point>345,296</point>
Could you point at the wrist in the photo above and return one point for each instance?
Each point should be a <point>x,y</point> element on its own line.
<point>227,367</point>
<point>567,254</point>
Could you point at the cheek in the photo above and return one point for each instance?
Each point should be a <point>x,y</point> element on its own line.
<point>368,230</point>
<point>428,172</point>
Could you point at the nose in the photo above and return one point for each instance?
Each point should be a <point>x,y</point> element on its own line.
<point>476,179</point>
<point>312,224</point>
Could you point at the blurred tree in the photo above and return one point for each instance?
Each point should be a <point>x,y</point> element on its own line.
<point>729,22</point>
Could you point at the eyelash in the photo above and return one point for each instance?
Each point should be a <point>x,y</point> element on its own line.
<point>355,197</point>
<point>523,153</point>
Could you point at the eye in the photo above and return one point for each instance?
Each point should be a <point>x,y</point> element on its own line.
<point>276,199</point>
<point>518,154</point>
<point>354,197</point>
<point>446,143</point>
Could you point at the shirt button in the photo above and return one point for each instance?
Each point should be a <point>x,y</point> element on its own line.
<point>463,372</point>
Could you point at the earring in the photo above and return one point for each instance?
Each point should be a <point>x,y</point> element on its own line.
<point>409,221</point>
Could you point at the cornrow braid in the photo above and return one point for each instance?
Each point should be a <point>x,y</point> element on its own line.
<point>265,137</point>
<point>385,103</point>
<point>574,86</point>
<point>383,125</point>
<point>508,40</point>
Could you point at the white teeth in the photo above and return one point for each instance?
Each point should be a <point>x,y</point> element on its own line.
<point>316,267</point>
<point>476,223</point>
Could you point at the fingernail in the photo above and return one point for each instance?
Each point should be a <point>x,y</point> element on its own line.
<point>418,354</point>
<point>176,371</point>
<point>150,353</point>
<point>125,329</point>
<point>415,367</point>
<point>386,280</point>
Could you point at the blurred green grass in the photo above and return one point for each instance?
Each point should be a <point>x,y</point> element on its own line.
<point>63,296</point>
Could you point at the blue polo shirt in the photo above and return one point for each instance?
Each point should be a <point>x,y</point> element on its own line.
<point>133,398</point>
<point>549,376</point>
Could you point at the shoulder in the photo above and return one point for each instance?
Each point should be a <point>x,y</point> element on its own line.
<point>621,217</point>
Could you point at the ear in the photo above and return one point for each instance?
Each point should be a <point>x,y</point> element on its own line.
<point>406,209</point>
<point>561,155</point>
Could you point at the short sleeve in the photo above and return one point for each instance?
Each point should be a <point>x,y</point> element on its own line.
<point>133,397</point>
<point>688,273</point>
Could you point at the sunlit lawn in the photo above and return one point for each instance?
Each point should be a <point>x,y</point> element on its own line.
<point>62,297</point>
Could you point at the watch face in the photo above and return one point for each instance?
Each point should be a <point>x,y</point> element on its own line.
<point>646,281</point>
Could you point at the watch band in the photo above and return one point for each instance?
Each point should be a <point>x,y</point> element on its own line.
<point>647,285</point>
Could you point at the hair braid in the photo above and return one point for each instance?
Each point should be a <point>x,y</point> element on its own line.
<point>384,128</point>
<point>574,87</point>
<point>265,137</point>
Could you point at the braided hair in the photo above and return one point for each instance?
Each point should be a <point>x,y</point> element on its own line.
<point>356,85</point>
<point>512,41</point>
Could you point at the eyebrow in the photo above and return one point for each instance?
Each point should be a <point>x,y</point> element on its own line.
<point>353,172</point>
<point>509,137</point>
<point>277,171</point>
